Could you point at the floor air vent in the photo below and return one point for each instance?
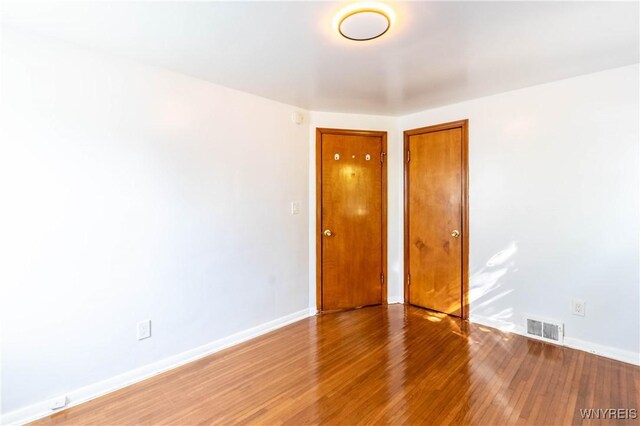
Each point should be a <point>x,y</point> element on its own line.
<point>534,327</point>
<point>549,331</point>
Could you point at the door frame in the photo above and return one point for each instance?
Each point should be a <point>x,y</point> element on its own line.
<point>375,133</point>
<point>464,126</point>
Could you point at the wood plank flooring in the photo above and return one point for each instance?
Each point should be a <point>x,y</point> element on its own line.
<point>384,365</point>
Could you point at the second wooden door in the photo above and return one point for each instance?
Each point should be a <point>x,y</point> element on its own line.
<point>351,218</point>
<point>435,218</point>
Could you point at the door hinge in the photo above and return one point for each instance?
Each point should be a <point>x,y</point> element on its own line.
<point>408,156</point>
<point>382,154</point>
<point>382,278</point>
<point>408,279</point>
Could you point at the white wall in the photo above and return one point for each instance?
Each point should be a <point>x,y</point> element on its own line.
<point>394,210</point>
<point>128,193</point>
<point>554,212</point>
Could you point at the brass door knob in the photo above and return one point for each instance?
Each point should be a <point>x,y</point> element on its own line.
<point>327,233</point>
<point>455,233</point>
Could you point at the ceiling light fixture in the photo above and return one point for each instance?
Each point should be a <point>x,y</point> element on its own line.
<point>364,21</point>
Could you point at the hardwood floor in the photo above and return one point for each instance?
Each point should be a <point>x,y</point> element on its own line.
<point>388,364</point>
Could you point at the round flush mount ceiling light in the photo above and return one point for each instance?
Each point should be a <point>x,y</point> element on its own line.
<point>364,21</point>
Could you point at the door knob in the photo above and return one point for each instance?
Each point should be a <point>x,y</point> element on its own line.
<point>327,233</point>
<point>455,233</point>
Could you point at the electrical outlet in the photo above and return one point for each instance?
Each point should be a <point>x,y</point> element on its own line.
<point>577,307</point>
<point>58,402</point>
<point>144,329</point>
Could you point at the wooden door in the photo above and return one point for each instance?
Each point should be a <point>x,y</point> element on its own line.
<point>436,225</point>
<point>351,218</point>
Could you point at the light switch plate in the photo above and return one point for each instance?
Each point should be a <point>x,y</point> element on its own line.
<point>295,207</point>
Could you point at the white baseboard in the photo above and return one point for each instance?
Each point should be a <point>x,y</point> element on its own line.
<point>570,342</point>
<point>500,325</point>
<point>87,393</point>
<point>605,351</point>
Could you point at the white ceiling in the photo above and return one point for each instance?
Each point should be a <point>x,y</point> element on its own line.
<point>437,53</point>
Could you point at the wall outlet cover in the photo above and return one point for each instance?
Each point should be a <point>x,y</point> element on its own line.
<point>578,307</point>
<point>58,402</point>
<point>144,329</point>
